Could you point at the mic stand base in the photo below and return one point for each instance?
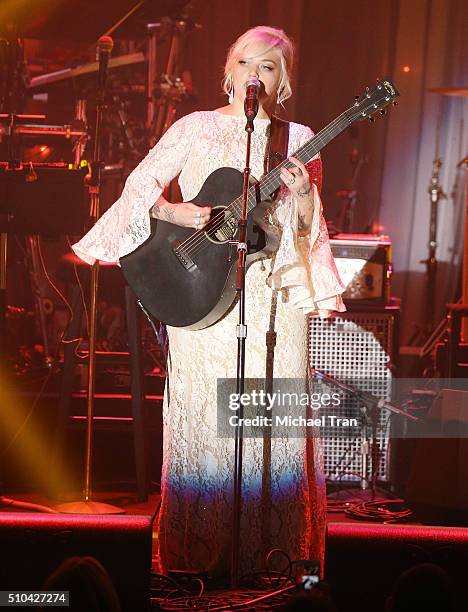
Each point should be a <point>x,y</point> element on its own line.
<point>88,507</point>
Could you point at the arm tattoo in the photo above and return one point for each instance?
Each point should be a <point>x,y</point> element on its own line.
<point>301,222</point>
<point>169,213</point>
<point>156,211</point>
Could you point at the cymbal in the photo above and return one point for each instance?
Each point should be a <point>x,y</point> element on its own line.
<point>450,91</point>
<point>44,80</point>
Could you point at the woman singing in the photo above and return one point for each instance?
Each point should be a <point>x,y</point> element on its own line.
<point>283,487</point>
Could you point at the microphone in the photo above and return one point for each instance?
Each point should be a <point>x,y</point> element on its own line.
<point>103,50</point>
<point>252,89</point>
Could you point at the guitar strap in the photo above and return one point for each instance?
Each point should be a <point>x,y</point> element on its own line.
<point>278,142</point>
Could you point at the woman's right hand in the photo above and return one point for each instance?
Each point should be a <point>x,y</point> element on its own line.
<point>184,214</point>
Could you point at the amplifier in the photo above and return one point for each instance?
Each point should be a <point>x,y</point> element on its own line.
<point>357,348</point>
<point>365,267</point>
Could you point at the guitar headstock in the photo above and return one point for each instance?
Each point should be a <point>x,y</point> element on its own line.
<point>374,99</point>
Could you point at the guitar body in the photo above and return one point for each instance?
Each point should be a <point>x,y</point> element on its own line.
<point>195,297</point>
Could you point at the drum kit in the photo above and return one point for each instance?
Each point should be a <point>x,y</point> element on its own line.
<point>38,155</point>
<point>51,172</point>
<point>47,189</point>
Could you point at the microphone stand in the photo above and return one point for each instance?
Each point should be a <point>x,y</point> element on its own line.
<point>369,405</point>
<point>424,330</point>
<point>350,197</point>
<point>87,506</point>
<point>436,194</point>
<point>241,333</point>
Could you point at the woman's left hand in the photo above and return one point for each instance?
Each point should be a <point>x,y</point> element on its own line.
<point>296,178</point>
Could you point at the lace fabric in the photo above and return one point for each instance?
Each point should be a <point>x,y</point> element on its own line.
<point>283,485</point>
<point>283,493</point>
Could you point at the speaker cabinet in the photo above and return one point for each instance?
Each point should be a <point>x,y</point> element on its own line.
<point>34,545</point>
<point>357,348</point>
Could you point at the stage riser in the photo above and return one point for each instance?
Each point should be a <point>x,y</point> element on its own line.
<point>363,561</point>
<point>34,545</point>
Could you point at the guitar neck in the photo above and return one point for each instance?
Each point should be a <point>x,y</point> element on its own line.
<point>373,100</point>
<point>272,180</point>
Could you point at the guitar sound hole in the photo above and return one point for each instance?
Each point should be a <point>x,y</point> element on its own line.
<point>220,232</point>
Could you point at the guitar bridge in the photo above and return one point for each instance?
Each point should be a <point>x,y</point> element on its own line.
<point>184,257</point>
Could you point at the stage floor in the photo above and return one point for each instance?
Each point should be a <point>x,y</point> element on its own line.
<point>363,558</point>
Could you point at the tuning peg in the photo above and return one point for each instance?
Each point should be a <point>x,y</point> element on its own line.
<point>383,111</point>
<point>356,98</point>
<point>395,103</point>
<point>372,119</point>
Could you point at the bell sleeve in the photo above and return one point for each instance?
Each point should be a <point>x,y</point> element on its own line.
<point>304,264</point>
<point>126,224</point>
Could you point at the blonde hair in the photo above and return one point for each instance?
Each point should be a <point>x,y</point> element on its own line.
<point>274,38</point>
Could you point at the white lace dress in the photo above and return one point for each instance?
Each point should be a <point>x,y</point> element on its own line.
<point>283,487</point>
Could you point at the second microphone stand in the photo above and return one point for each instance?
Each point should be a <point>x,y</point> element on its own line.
<point>370,405</point>
<point>87,506</point>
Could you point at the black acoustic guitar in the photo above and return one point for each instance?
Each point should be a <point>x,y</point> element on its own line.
<point>185,277</point>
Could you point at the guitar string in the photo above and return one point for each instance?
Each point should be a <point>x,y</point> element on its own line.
<point>268,183</point>
<point>200,237</point>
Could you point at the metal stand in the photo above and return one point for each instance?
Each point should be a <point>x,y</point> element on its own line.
<point>11,97</point>
<point>241,333</point>
<point>464,323</point>
<point>436,194</point>
<point>370,406</point>
<point>424,331</point>
<point>167,92</point>
<point>350,197</point>
<point>86,506</point>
